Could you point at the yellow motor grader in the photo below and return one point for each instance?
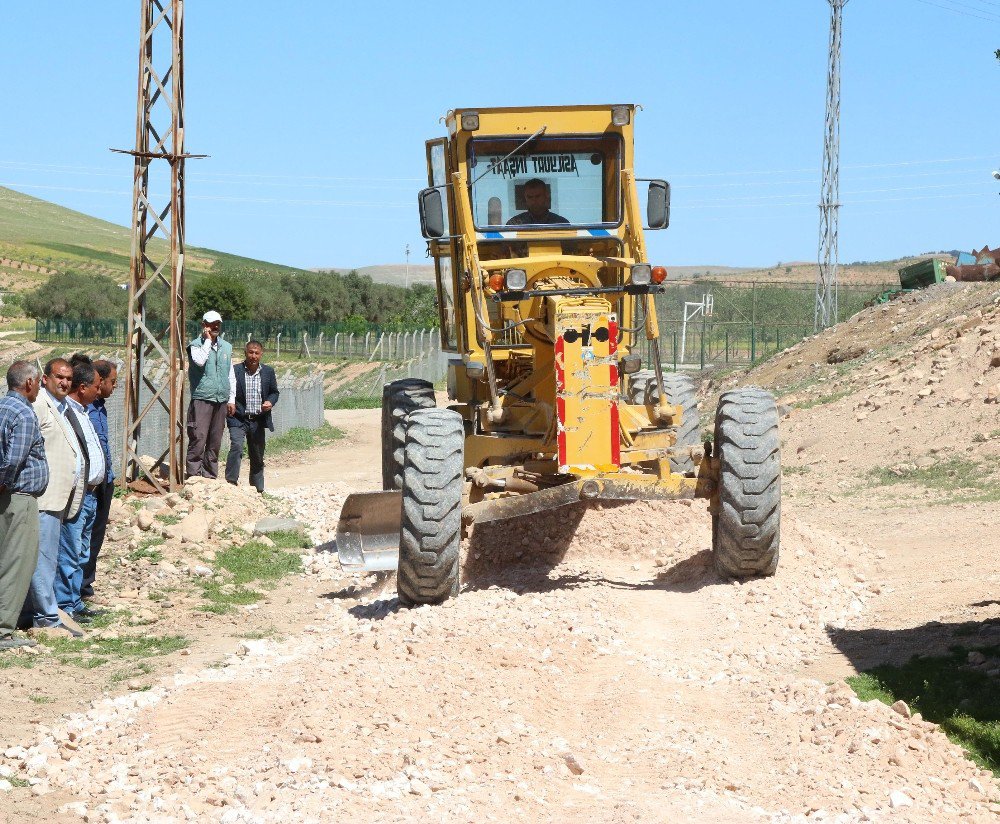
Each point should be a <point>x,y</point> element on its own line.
<point>546,299</point>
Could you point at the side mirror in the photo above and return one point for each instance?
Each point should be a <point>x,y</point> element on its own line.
<point>431,213</point>
<point>658,205</point>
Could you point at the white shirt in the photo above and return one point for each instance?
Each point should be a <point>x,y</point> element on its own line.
<point>199,354</point>
<point>252,390</point>
<point>93,443</point>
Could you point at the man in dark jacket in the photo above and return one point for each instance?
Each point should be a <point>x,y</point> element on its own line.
<point>255,390</point>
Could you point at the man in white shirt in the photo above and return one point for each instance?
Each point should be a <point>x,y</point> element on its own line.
<point>211,372</point>
<point>74,537</point>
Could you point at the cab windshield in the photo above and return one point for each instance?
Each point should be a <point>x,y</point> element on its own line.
<point>552,183</point>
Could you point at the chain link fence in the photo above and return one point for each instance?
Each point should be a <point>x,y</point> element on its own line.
<point>336,340</point>
<point>714,323</point>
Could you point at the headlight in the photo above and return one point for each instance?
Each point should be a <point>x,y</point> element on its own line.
<point>470,121</point>
<point>517,279</point>
<point>641,273</point>
<point>619,115</point>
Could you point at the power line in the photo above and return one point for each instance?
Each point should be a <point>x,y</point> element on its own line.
<point>959,11</point>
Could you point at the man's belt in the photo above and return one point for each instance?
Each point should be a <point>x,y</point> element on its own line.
<point>252,416</point>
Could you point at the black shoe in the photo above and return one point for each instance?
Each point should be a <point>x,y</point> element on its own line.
<point>81,617</point>
<point>16,642</point>
<point>87,612</point>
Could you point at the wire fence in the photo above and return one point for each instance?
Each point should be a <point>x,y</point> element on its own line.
<point>714,323</point>
<point>273,335</point>
<point>702,323</point>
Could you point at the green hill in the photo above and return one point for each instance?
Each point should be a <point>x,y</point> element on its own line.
<point>38,238</point>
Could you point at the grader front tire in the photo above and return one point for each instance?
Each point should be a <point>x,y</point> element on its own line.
<point>399,399</point>
<point>746,529</point>
<point>431,533</point>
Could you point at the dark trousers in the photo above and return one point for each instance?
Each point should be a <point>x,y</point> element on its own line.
<point>251,433</point>
<point>205,422</point>
<point>104,493</point>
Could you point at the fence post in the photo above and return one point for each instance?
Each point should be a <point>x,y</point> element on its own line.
<point>336,340</point>
<point>319,344</point>
<point>350,344</point>
<point>277,346</point>
<point>727,344</point>
<point>753,343</point>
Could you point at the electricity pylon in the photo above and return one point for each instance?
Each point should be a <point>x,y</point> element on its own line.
<point>826,312</point>
<point>157,247</point>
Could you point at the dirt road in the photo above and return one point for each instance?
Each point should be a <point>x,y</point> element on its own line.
<point>612,678</point>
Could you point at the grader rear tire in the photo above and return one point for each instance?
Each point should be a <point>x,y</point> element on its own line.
<point>746,529</point>
<point>681,392</point>
<point>399,399</point>
<point>431,533</point>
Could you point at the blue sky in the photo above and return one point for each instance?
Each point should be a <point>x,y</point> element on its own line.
<point>315,113</point>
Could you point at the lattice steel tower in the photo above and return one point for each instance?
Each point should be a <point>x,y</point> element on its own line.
<point>156,326</point>
<point>829,206</point>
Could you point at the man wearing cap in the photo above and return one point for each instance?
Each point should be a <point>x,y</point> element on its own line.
<point>211,372</point>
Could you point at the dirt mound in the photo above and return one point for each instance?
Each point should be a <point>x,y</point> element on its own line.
<point>910,382</point>
<point>640,530</point>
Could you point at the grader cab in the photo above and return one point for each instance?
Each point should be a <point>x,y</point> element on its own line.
<point>546,298</point>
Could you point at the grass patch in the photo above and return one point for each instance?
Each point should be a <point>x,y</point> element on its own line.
<point>299,439</point>
<point>261,634</point>
<point>964,701</point>
<point>352,402</point>
<point>18,782</point>
<point>255,561</point>
<point>252,563</point>
<point>822,400</point>
<point>90,653</point>
<point>795,470</point>
<point>16,661</point>
<point>140,669</point>
<point>958,478</point>
<point>146,551</point>
<point>41,699</point>
<point>168,518</point>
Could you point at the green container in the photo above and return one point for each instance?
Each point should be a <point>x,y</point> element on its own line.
<point>923,274</point>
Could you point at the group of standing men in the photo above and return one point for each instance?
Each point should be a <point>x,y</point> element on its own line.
<point>56,479</point>
<point>56,486</point>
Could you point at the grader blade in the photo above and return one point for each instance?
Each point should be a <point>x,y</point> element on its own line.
<point>368,532</point>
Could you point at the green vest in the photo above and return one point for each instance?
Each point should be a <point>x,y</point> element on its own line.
<point>211,381</point>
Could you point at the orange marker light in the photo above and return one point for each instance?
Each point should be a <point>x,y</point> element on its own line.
<point>659,274</point>
<point>496,281</point>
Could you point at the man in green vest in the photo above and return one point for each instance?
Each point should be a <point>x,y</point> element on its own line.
<point>210,369</point>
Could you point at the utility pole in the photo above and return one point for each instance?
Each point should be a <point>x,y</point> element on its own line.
<point>406,281</point>
<point>826,312</point>
<point>157,249</point>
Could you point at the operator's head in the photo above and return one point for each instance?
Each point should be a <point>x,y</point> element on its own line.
<point>537,198</point>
